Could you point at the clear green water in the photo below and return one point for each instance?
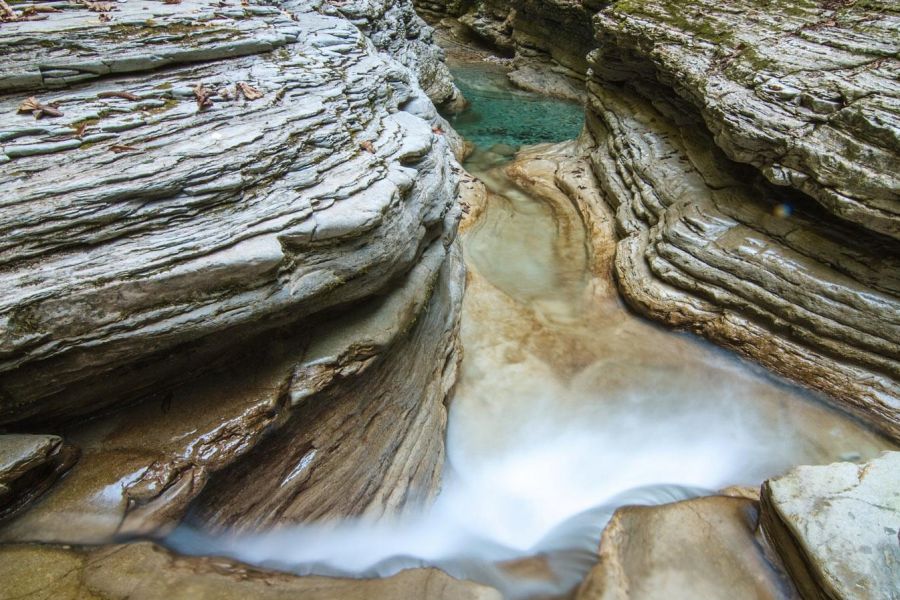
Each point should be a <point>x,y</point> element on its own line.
<point>502,115</point>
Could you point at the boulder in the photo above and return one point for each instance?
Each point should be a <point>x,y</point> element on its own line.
<point>701,548</point>
<point>836,527</point>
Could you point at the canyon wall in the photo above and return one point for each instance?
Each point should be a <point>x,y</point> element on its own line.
<point>226,228</point>
<point>751,154</point>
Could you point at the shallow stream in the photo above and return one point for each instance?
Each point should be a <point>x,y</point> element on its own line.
<point>568,405</point>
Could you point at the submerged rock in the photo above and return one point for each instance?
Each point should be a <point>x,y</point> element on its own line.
<point>29,465</point>
<point>145,571</point>
<point>836,527</point>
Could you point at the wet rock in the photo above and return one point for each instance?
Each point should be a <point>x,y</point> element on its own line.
<point>366,436</point>
<point>271,431</point>
<point>703,548</point>
<point>836,527</point>
<point>705,247</point>
<point>221,256</point>
<point>237,216</point>
<point>145,571</point>
<point>805,92</point>
<point>29,465</point>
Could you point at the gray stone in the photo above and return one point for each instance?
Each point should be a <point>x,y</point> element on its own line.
<point>836,527</point>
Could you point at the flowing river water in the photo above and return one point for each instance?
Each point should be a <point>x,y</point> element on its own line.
<point>568,405</point>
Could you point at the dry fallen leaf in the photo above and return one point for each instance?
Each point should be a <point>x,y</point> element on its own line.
<point>202,95</point>
<point>79,130</point>
<point>119,94</point>
<point>119,148</point>
<point>438,130</point>
<point>33,105</point>
<point>171,1</point>
<point>249,92</point>
<point>367,146</point>
<point>105,18</point>
<point>100,7</point>
<point>6,12</point>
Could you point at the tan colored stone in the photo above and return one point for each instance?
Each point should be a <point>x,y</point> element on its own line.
<point>145,571</point>
<point>703,548</point>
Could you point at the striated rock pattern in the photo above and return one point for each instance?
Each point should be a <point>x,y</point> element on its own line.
<point>267,232</point>
<point>711,245</point>
<point>144,571</point>
<point>836,527</point>
<point>702,548</point>
<point>235,215</point>
<point>807,92</point>
<point>395,28</point>
<point>29,465</point>
<point>751,155</point>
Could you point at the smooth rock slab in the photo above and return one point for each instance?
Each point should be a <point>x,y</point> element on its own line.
<point>837,528</point>
<point>703,548</point>
<point>145,571</point>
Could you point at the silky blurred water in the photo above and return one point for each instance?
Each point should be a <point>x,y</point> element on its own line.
<point>567,406</point>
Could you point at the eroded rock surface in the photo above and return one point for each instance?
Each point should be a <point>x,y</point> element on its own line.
<point>29,465</point>
<point>266,234</point>
<point>806,92</point>
<point>751,156</point>
<point>702,548</point>
<point>836,527</point>
<point>710,244</point>
<point>236,217</point>
<point>145,571</point>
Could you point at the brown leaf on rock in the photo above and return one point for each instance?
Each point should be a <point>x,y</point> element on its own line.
<point>100,7</point>
<point>171,1</point>
<point>202,95</point>
<point>79,130</point>
<point>119,94</point>
<point>6,12</point>
<point>120,148</point>
<point>105,18</point>
<point>33,105</point>
<point>438,130</point>
<point>249,92</point>
<point>367,146</point>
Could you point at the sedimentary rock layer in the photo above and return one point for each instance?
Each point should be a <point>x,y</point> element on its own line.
<point>806,92</point>
<point>836,527</point>
<point>144,571</point>
<point>710,244</point>
<point>236,234</point>
<point>207,209</point>
<point>29,465</point>
<point>751,154</point>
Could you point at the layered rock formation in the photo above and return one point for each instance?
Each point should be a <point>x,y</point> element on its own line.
<point>264,242</point>
<point>808,289</point>
<point>145,571</point>
<point>29,465</point>
<point>751,154</point>
<point>836,527</point>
